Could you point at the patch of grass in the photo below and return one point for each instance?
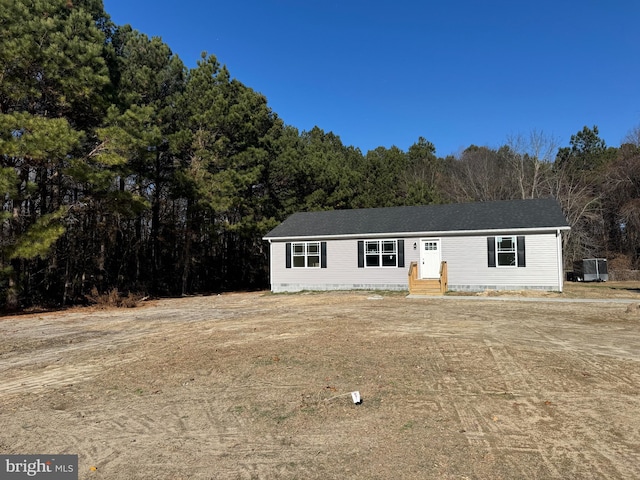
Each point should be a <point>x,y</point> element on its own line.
<point>276,415</point>
<point>308,409</point>
<point>282,417</point>
<point>372,402</point>
<point>408,426</point>
<point>264,360</point>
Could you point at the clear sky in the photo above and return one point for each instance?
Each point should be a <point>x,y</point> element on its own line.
<point>383,73</point>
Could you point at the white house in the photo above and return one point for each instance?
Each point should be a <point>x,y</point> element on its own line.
<point>503,245</point>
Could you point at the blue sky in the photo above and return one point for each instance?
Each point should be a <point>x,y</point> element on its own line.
<point>457,72</point>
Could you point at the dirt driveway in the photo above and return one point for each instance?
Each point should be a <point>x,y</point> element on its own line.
<point>255,385</point>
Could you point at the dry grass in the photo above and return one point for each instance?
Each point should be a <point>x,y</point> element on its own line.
<point>256,386</point>
<point>114,299</point>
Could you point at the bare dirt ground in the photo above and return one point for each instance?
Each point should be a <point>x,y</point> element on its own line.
<point>255,385</point>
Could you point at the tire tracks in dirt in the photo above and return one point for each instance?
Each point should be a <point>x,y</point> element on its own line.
<point>215,387</point>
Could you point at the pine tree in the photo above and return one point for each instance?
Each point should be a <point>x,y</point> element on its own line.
<point>54,79</point>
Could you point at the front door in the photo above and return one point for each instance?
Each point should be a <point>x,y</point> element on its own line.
<point>430,258</point>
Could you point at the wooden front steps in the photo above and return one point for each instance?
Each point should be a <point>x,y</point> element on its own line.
<point>435,286</point>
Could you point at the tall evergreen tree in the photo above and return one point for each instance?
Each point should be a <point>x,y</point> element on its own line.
<point>53,82</point>
<point>587,151</point>
<point>230,133</point>
<point>420,182</point>
<point>148,80</point>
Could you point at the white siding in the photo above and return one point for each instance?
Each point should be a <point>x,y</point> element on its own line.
<point>342,272</point>
<point>466,258</point>
<point>468,265</point>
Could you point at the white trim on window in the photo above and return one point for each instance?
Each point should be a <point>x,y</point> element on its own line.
<point>381,254</point>
<point>305,255</point>
<point>506,251</point>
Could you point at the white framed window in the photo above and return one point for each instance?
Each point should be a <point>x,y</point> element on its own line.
<point>430,246</point>
<point>381,253</point>
<point>305,255</point>
<point>506,251</point>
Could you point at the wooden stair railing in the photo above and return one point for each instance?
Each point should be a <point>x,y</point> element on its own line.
<point>429,286</point>
<point>444,278</point>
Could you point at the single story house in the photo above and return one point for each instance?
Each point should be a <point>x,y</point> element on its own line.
<point>498,245</point>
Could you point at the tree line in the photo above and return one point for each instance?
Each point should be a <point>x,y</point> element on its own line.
<point>123,169</point>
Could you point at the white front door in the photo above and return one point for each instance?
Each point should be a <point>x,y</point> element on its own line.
<point>430,258</point>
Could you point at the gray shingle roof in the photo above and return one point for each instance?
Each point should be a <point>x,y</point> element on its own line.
<point>481,216</point>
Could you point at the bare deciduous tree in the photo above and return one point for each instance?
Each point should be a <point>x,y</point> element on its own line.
<point>532,156</point>
<point>480,174</point>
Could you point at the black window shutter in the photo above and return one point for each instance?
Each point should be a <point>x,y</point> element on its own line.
<point>360,254</point>
<point>491,249</point>
<point>522,260</point>
<point>401,253</point>
<point>287,248</point>
<point>323,254</point>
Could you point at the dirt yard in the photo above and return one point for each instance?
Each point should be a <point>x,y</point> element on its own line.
<point>257,386</point>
